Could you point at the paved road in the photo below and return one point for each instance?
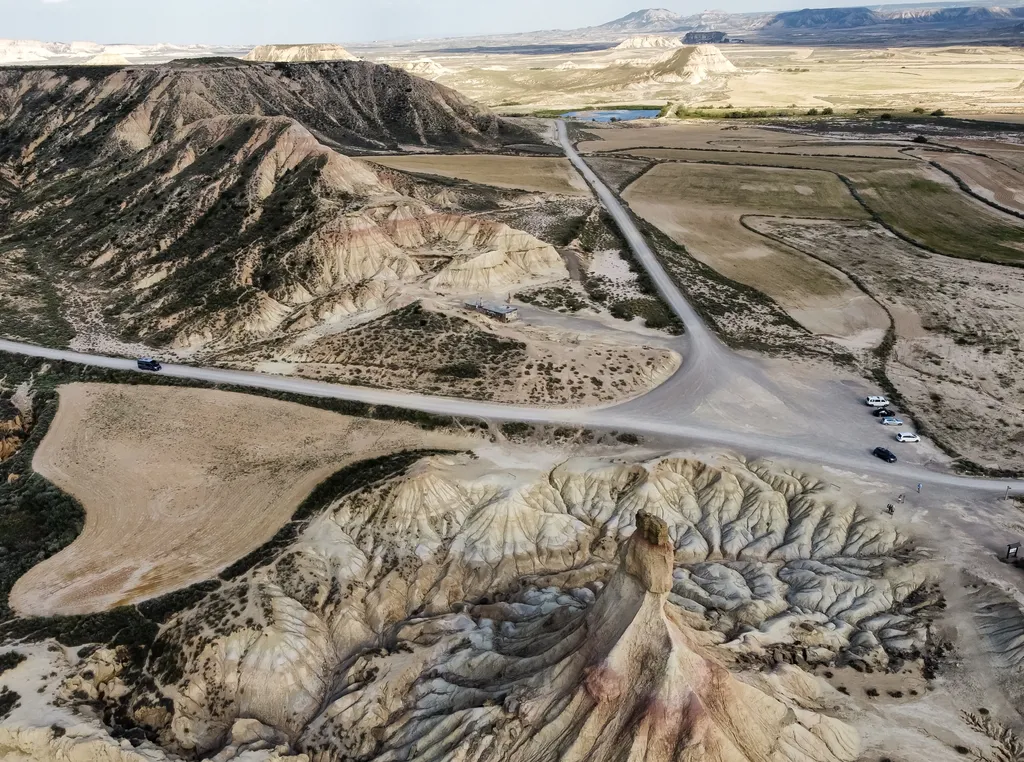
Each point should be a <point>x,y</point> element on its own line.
<point>605,418</point>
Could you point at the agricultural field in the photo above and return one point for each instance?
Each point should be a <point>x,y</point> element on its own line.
<point>763,159</point>
<point>941,217</point>
<point>989,178</point>
<point>726,135</point>
<point>527,173</point>
<point>179,483</point>
<point>702,207</point>
<point>959,326</point>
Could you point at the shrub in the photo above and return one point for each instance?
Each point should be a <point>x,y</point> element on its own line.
<point>918,110</point>
<point>828,111</point>
<point>627,438</point>
<point>515,428</point>
<point>938,112</point>
<point>920,139</point>
<point>464,369</point>
<point>812,112</point>
<point>10,660</point>
<point>885,117</point>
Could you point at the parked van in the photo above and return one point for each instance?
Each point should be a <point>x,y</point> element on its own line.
<point>148,363</point>
<point>877,401</point>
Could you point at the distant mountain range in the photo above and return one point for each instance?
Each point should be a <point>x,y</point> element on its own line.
<point>661,20</point>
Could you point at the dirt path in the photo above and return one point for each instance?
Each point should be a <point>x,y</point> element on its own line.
<point>179,483</point>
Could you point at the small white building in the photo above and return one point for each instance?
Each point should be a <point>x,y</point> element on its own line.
<point>506,313</point>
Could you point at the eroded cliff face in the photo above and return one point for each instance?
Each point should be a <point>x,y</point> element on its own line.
<point>211,203</point>
<point>568,612</point>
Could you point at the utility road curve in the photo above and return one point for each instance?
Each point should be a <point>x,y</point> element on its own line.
<point>607,418</point>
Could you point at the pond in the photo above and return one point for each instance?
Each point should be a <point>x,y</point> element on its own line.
<point>613,115</point>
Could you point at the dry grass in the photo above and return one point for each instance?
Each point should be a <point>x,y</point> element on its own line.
<point>927,206</point>
<point>179,483</point>
<point>701,207</point>
<point>527,173</point>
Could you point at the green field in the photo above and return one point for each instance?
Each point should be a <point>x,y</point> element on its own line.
<point>941,217</point>
<point>760,190</point>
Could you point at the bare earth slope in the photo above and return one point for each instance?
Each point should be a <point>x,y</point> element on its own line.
<point>172,499</point>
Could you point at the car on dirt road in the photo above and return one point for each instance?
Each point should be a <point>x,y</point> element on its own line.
<point>882,454</point>
<point>148,363</point>
<point>892,422</point>
<point>884,412</point>
<point>907,436</point>
<point>875,401</point>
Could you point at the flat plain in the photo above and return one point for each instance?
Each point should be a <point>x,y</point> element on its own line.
<point>541,175</point>
<point>702,207</point>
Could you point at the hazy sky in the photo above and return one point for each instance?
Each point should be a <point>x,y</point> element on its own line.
<point>257,21</point>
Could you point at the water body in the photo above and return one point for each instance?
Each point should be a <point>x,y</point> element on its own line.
<point>616,115</point>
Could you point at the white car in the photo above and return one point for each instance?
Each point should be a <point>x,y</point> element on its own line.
<point>907,436</point>
<point>892,422</point>
<point>877,402</point>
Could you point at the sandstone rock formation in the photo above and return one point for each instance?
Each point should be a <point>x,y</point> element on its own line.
<point>691,65</point>
<point>13,429</point>
<point>425,67</point>
<point>107,59</point>
<point>298,53</point>
<point>564,613</point>
<point>560,676</point>
<point>649,41</point>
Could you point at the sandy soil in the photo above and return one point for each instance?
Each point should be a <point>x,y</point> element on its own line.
<point>988,178</point>
<point>514,172</point>
<point>701,206</point>
<point>179,483</point>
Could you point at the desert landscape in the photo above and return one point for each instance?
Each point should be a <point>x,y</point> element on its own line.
<point>501,398</point>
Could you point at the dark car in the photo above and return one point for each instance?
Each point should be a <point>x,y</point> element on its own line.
<point>884,412</point>
<point>882,454</point>
<point>148,363</point>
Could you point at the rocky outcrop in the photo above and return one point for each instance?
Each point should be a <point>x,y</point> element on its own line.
<point>594,606</point>
<point>691,65</point>
<point>560,676</point>
<point>107,59</point>
<point>649,41</point>
<point>425,67</point>
<point>14,429</point>
<point>298,53</point>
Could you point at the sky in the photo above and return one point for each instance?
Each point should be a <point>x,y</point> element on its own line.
<point>236,22</point>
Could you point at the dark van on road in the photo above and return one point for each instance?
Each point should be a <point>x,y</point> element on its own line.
<point>148,363</point>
